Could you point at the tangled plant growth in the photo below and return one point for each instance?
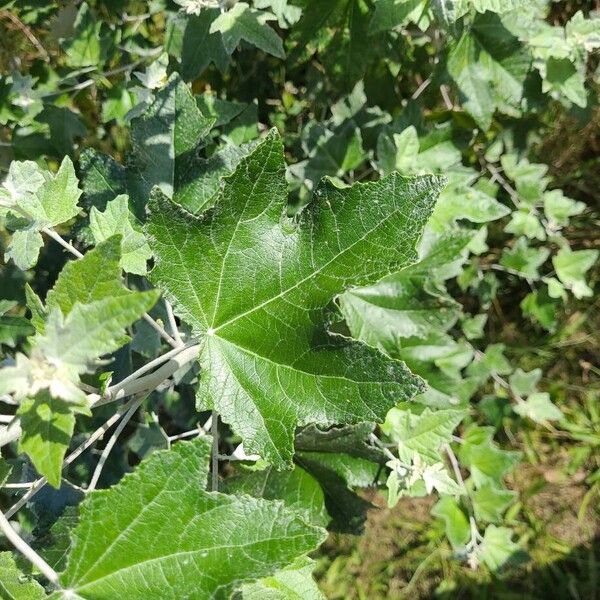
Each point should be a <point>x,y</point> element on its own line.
<point>252,259</point>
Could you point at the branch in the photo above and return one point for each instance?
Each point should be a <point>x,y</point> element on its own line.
<point>173,324</point>
<point>27,551</point>
<point>130,386</point>
<point>27,32</point>
<point>113,440</point>
<point>134,384</point>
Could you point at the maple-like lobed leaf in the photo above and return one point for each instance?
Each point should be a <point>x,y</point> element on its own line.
<point>255,284</point>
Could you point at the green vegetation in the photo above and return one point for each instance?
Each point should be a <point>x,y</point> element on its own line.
<point>297,299</point>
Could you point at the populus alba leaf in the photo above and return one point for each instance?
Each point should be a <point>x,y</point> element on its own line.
<point>47,425</point>
<point>117,219</point>
<point>423,434</point>
<point>296,488</point>
<point>571,268</point>
<point>45,201</point>
<point>245,23</point>
<point>165,137</point>
<point>158,534</point>
<point>268,362</point>
<point>539,408</point>
<point>497,547</point>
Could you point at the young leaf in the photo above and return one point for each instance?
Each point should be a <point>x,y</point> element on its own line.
<point>158,534</point>
<point>92,330</point>
<point>487,462</point>
<point>94,277</point>
<point>458,530</point>
<point>47,424</point>
<point>244,23</point>
<point>422,434</point>
<point>490,502</point>
<point>117,219</point>
<point>460,199</point>
<point>497,547</point>
<point>571,267</point>
<point>53,202</point>
<point>523,260</point>
<point>267,360</point>
<point>539,408</point>
<point>559,208</point>
<point>524,383</point>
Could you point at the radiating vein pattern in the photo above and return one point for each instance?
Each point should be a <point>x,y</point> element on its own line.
<point>158,534</point>
<point>258,285</point>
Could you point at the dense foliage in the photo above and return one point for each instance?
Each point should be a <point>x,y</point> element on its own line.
<point>265,248</point>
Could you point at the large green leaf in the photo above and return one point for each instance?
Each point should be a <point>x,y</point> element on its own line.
<point>296,488</point>
<point>268,363</point>
<point>158,534</point>
<point>406,304</point>
<point>292,583</point>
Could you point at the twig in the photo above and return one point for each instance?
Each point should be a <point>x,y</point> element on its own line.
<point>199,430</point>
<point>58,238</point>
<point>113,440</point>
<point>382,446</point>
<point>497,176</point>
<point>89,82</point>
<point>475,535</point>
<point>27,551</point>
<point>148,367</point>
<point>185,355</point>
<point>17,486</point>
<point>173,324</point>
<point>421,88</point>
<point>215,450</point>
<point>42,481</point>
<point>27,32</point>
<point>130,386</point>
<point>445,96</point>
<point>163,334</point>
